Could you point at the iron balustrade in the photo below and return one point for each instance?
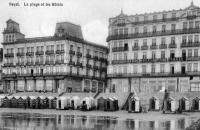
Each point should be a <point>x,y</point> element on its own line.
<point>49,52</point>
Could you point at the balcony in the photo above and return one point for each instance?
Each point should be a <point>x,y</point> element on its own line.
<point>29,53</point>
<point>118,49</point>
<point>39,53</point>
<point>79,64</point>
<point>9,55</point>
<point>144,47</point>
<point>88,65</point>
<point>193,58</point>
<point>153,47</point>
<point>60,51</point>
<point>190,17</point>
<point>163,46</point>
<point>88,56</point>
<point>151,34</point>
<point>49,62</point>
<point>20,54</point>
<point>49,52</point>
<point>103,59</point>
<point>20,64</point>
<point>59,61</point>
<point>174,59</point>
<point>30,63</point>
<point>190,44</point>
<point>71,63</point>
<point>121,24</point>
<point>172,45</point>
<point>79,54</point>
<point>39,63</point>
<point>8,65</point>
<point>135,48</point>
<point>95,58</point>
<point>71,52</point>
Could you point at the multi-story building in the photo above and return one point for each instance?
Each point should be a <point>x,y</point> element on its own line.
<point>64,62</point>
<point>155,51</point>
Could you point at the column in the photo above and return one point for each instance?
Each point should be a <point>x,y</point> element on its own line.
<point>83,85</point>
<point>34,86</point>
<point>103,87</point>
<point>90,86</point>
<point>45,85</point>
<point>25,85</point>
<point>15,84</point>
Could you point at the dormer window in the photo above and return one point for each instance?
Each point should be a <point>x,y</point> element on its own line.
<point>191,14</point>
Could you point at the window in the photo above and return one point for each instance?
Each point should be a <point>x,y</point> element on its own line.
<point>154,17</point>
<point>125,69</point>
<point>135,43</point>
<point>58,47</point>
<point>196,52</point>
<point>125,56</point>
<point>115,31</point>
<point>197,24</point>
<point>172,54</point>
<point>173,15</point>
<point>126,31</point>
<point>135,55</point>
<point>136,30</point>
<point>114,69</point>
<point>191,25</point>
<point>153,68</point>
<point>120,31</point>
<point>119,69</point>
<point>184,25</point>
<point>145,29</point>
<point>172,40</point>
<point>144,55</point>
<point>144,69</point>
<point>62,47</point>
<point>52,48</point>
<point>195,67</point>
<point>163,28</point>
<point>189,67</point>
<point>190,39</point>
<point>120,56</point>
<point>71,47</point>
<point>154,28</point>
<point>153,55</point>
<point>162,54</point>
<point>164,16</point>
<point>163,40</point>
<point>173,27</point>
<point>196,38</point>
<point>88,51</point>
<point>154,42</point>
<point>144,42</point>
<point>78,49</point>
<point>115,57</point>
<point>190,53</point>
<point>145,18</point>
<point>162,68</point>
<point>136,19</point>
<point>184,39</point>
<point>135,69</point>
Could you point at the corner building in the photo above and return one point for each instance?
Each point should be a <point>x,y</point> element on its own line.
<point>61,63</point>
<point>152,52</point>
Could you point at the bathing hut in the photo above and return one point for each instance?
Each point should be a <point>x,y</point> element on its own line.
<point>116,103</point>
<point>134,104</point>
<point>196,104</point>
<point>41,102</point>
<point>33,101</point>
<point>110,104</point>
<point>67,103</point>
<point>6,102</point>
<point>37,103</point>
<point>21,102</point>
<point>154,104</point>
<point>50,102</point>
<point>86,104</point>
<point>61,103</point>
<point>169,105</point>
<point>184,104</point>
<point>46,103</point>
<point>54,103</point>
<point>101,103</point>
<point>10,101</point>
<point>1,100</point>
<point>27,101</point>
<point>75,102</point>
<point>93,106</point>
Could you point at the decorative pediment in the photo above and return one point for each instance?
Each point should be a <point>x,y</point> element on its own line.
<point>192,7</point>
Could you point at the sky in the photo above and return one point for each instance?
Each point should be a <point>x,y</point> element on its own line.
<point>91,15</point>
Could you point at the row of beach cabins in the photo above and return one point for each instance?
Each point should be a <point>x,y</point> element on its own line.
<point>104,104</point>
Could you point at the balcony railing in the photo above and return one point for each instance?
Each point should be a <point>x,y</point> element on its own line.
<point>59,61</point>
<point>39,63</point>
<point>30,63</point>
<point>117,49</point>
<point>9,55</point>
<point>8,65</point>
<point>71,52</point>
<point>39,53</point>
<point>192,58</point>
<point>20,54</point>
<point>60,51</point>
<point>153,47</point>
<point>79,54</point>
<point>88,56</point>
<point>49,52</point>
<point>20,64</point>
<point>71,63</point>
<point>190,17</point>
<point>163,46</point>
<point>49,62</point>
<point>135,48</point>
<point>190,44</point>
<point>172,45</point>
<point>144,47</point>
<point>29,53</point>
<point>151,34</point>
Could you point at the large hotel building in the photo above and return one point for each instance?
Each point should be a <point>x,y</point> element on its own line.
<point>61,63</point>
<point>155,51</point>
